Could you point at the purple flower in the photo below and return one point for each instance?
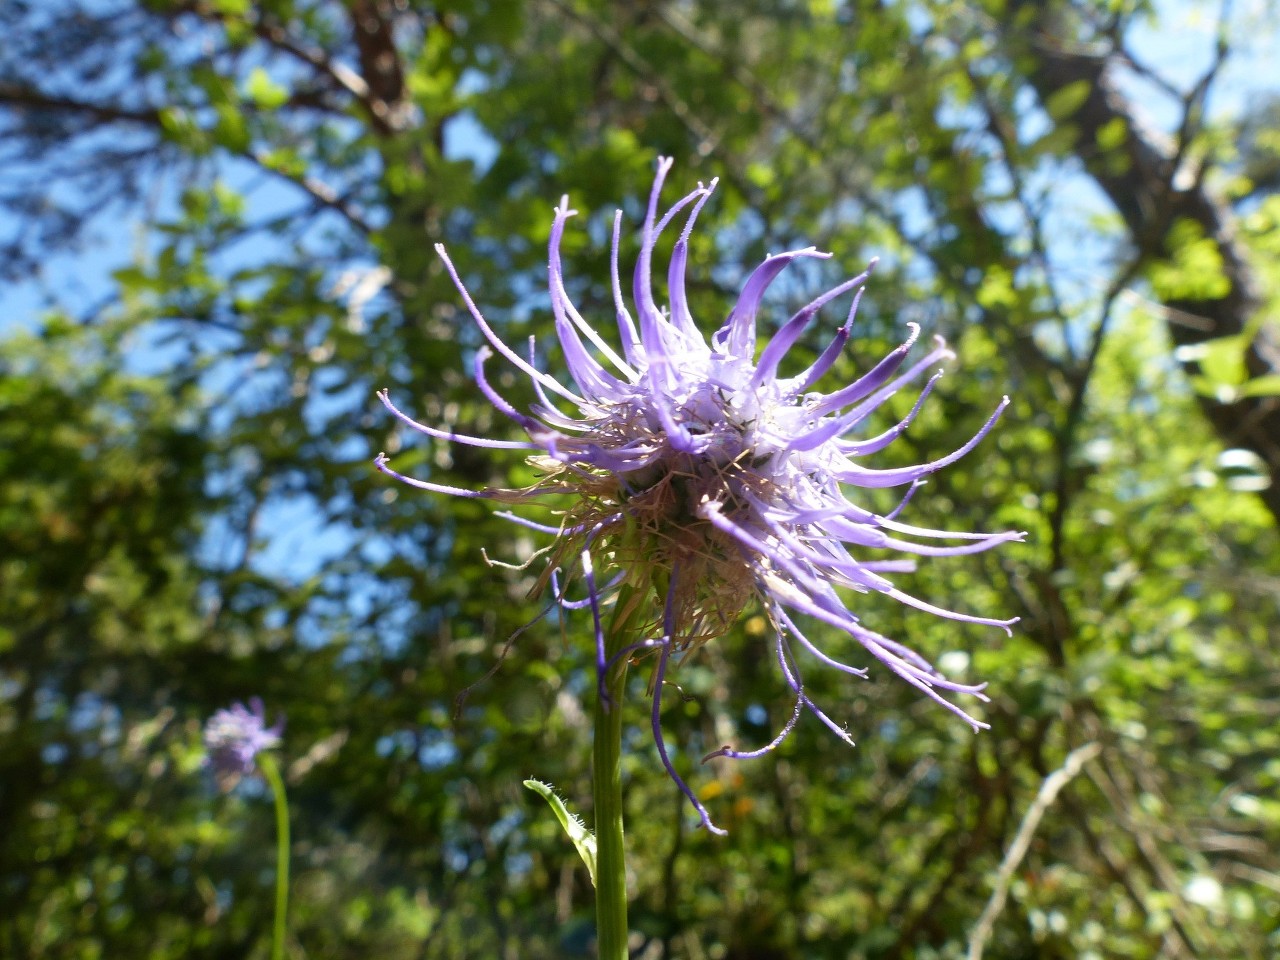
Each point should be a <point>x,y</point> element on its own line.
<point>236,736</point>
<point>705,480</point>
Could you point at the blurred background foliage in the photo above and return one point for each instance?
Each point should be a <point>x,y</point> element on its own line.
<point>190,516</point>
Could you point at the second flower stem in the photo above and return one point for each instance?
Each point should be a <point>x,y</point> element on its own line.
<point>271,772</point>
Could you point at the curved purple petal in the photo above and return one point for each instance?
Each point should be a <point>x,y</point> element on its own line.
<point>683,458</point>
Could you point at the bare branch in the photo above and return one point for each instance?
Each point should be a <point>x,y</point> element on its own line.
<point>1049,791</point>
<point>1194,101</point>
<point>707,138</point>
<point>322,193</point>
<point>1140,177</point>
<point>278,37</point>
<point>1065,439</point>
<point>22,97</point>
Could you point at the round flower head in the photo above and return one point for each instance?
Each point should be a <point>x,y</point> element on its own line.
<point>703,480</point>
<point>236,736</point>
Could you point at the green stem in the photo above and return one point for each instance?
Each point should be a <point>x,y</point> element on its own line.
<point>611,867</point>
<point>267,764</point>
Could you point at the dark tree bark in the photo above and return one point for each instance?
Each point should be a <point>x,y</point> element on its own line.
<point>1141,176</point>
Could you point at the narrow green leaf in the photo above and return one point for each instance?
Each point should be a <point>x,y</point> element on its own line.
<point>1268,386</point>
<point>582,838</point>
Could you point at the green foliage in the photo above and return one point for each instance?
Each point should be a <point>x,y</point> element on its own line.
<point>1067,101</point>
<point>190,516</point>
<point>1194,268</point>
<point>265,92</point>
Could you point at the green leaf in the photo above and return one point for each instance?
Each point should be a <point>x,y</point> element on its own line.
<point>1112,134</point>
<point>1061,104</point>
<point>285,160</point>
<point>231,131</point>
<point>1194,268</point>
<point>1268,386</point>
<point>996,290</point>
<point>264,91</point>
<point>583,839</point>
<point>1223,361</point>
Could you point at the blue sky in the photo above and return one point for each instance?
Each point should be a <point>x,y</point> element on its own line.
<point>1179,45</point>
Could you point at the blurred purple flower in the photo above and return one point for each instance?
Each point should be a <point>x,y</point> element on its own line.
<point>234,738</point>
<point>704,479</point>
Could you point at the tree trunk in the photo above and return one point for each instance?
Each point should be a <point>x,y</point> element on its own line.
<point>1139,176</point>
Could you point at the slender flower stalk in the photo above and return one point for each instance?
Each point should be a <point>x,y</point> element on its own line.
<point>237,740</point>
<point>271,773</point>
<point>704,479</point>
<point>611,868</point>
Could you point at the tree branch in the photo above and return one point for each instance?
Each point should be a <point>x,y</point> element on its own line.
<point>21,97</point>
<point>1049,791</point>
<point>321,192</point>
<point>1139,176</point>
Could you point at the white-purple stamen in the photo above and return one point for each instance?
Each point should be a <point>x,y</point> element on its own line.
<point>704,480</point>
